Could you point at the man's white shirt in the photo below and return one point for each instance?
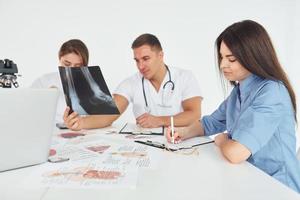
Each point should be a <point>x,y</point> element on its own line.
<point>165,102</point>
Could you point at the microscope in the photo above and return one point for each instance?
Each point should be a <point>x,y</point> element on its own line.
<point>8,69</point>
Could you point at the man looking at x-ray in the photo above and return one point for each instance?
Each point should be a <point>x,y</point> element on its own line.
<point>157,92</point>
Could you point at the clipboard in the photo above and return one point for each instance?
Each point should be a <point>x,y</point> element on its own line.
<point>155,144</point>
<point>131,128</point>
<point>171,147</point>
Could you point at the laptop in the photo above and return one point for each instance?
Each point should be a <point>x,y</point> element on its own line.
<point>26,126</point>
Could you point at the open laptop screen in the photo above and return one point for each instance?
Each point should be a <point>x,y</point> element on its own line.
<point>26,122</point>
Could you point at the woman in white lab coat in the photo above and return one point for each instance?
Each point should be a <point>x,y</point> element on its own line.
<point>72,53</point>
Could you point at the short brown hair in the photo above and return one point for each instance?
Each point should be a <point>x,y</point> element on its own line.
<point>147,39</point>
<point>75,46</point>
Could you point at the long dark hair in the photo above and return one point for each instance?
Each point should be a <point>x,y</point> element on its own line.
<point>251,45</point>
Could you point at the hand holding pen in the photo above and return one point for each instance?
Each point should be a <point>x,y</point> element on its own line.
<point>183,133</point>
<point>175,136</point>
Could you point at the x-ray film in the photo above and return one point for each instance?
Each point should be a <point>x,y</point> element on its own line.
<point>86,91</point>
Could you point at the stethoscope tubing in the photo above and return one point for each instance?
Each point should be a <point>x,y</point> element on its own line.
<point>166,83</point>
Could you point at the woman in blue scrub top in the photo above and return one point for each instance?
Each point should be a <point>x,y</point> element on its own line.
<point>258,117</point>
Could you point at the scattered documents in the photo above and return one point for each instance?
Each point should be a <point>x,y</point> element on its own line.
<point>83,175</point>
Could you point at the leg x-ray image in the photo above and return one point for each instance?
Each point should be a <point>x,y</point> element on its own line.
<point>86,91</point>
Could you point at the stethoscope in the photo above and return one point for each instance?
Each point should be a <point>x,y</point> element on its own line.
<point>169,82</point>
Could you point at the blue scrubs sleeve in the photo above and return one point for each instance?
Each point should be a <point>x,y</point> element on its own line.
<point>216,122</point>
<point>258,123</point>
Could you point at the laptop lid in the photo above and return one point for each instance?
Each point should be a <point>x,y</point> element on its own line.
<point>26,126</point>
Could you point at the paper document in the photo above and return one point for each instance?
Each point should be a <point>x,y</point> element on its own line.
<point>109,149</point>
<point>82,175</point>
<point>93,161</point>
<point>131,128</point>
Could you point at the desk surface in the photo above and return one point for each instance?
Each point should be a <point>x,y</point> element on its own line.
<point>206,176</point>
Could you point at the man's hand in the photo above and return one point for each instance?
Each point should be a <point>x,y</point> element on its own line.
<point>149,121</point>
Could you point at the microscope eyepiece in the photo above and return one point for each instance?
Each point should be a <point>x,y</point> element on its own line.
<point>8,69</point>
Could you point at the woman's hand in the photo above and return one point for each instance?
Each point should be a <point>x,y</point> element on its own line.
<point>183,133</point>
<point>73,121</point>
<point>221,139</point>
<point>179,134</point>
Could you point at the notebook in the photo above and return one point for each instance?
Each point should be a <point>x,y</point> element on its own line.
<point>26,123</point>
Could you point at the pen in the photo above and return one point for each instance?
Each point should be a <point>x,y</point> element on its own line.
<point>172,130</point>
<point>57,159</point>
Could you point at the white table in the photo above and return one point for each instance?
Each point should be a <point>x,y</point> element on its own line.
<point>207,176</point>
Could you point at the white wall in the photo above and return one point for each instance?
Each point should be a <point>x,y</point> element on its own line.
<point>293,68</point>
<point>33,30</point>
